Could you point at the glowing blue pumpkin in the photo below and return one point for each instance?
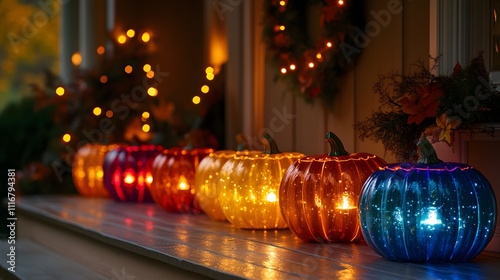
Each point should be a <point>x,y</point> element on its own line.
<point>428,211</point>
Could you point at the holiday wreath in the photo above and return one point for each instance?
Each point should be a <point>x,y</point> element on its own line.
<point>312,67</point>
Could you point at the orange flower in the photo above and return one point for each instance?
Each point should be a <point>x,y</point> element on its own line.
<point>422,104</point>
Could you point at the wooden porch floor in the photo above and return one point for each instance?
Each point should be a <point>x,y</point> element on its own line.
<point>213,249</point>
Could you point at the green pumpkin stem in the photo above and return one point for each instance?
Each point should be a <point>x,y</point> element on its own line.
<point>336,146</point>
<point>426,151</point>
<point>270,146</point>
<point>241,142</point>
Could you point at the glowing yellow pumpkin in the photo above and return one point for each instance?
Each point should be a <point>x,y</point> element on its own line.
<point>249,187</point>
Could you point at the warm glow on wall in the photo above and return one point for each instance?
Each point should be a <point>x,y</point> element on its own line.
<point>152,91</point>
<point>128,69</point>
<point>145,37</point>
<point>76,59</point>
<point>146,68</point>
<point>60,91</point>
<point>130,33</point>
<point>205,89</point>
<point>196,100</point>
<point>100,50</point>
<point>97,111</point>
<point>122,39</point>
<point>66,138</point>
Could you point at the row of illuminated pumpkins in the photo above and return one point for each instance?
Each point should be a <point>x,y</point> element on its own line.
<point>426,211</point>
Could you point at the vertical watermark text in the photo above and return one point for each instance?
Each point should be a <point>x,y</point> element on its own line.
<point>11,219</point>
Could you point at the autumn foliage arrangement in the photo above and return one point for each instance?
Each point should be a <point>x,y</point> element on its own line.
<point>424,104</point>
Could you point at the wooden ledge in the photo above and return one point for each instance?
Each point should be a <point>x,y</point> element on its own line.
<point>145,242</point>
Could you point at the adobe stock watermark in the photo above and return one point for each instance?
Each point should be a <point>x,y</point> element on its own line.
<point>30,26</point>
<point>223,6</point>
<point>119,106</point>
<point>363,38</point>
<point>277,123</point>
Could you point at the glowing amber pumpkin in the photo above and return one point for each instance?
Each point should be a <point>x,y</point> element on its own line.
<point>173,179</point>
<point>127,172</point>
<point>207,177</point>
<point>429,211</point>
<point>249,184</point>
<point>319,194</point>
<point>87,170</point>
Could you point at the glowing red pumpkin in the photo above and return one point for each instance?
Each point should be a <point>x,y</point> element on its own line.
<point>173,179</point>
<point>127,172</point>
<point>319,194</point>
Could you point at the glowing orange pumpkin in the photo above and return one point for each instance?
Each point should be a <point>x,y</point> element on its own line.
<point>249,184</point>
<point>319,194</point>
<point>173,179</point>
<point>87,170</point>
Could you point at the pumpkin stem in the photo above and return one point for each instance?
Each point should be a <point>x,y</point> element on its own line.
<point>426,151</point>
<point>241,142</point>
<point>336,146</point>
<point>270,146</point>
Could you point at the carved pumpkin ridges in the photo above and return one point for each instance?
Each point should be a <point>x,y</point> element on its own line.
<point>448,211</point>
<point>319,194</point>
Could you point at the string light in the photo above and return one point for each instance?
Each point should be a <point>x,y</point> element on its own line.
<point>100,50</point>
<point>97,111</point>
<point>66,138</point>
<point>152,91</point>
<point>341,2</point>
<point>103,79</point>
<point>145,37</point>
<point>130,33</point>
<point>311,65</point>
<point>150,74</point>
<point>145,116</point>
<point>122,39</point>
<point>146,127</point>
<point>196,100</point>
<point>282,27</point>
<point>109,114</point>
<point>329,44</point>
<point>60,91</point>
<point>76,59</point>
<point>128,69</point>
<point>282,3</point>
<point>292,67</point>
<point>210,76</point>
<point>283,70</point>
<point>318,56</point>
<point>146,68</point>
<point>205,89</point>
<point>209,70</point>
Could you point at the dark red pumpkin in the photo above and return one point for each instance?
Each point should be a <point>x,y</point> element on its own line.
<point>173,179</point>
<point>127,172</point>
<point>319,194</point>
